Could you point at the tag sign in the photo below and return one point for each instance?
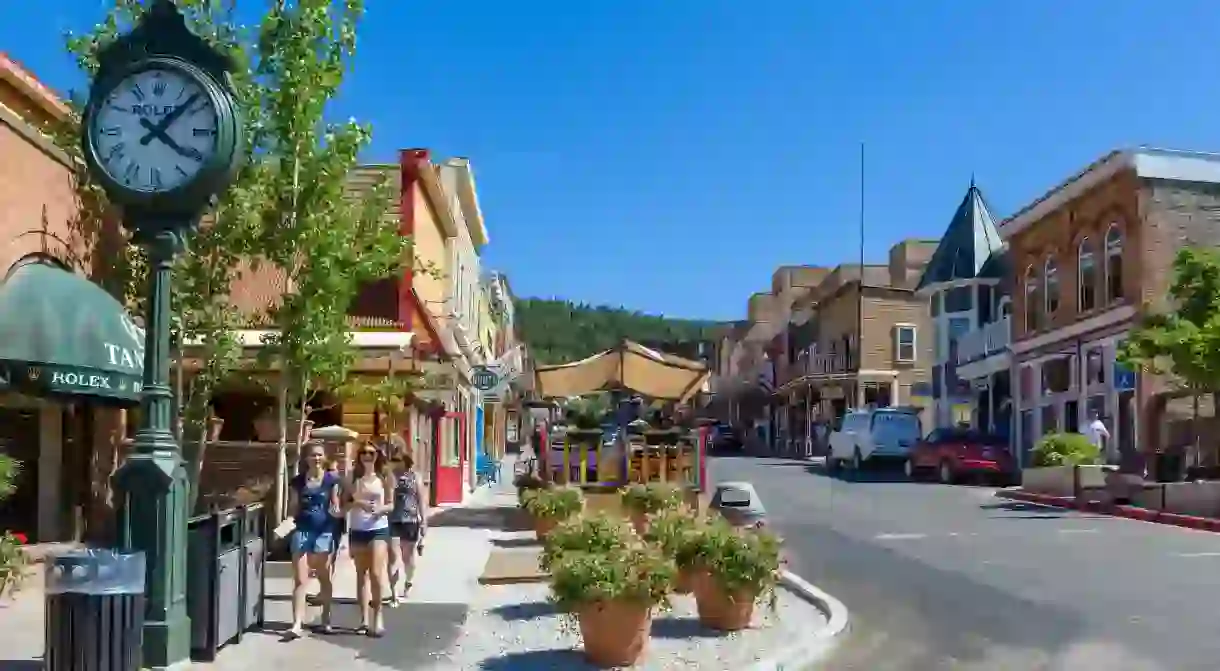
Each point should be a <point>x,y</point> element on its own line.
<point>484,379</point>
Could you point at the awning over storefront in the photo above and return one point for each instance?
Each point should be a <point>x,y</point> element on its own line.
<point>628,366</point>
<point>60,334</point>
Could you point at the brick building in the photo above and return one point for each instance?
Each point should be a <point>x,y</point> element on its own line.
<point>70,356</point>
<point>860,337</point>
<point>1089,257</point>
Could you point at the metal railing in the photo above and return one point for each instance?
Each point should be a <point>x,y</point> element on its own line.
<point>982,342</point>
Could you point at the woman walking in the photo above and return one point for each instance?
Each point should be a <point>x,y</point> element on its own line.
<point>369,533</point>
<point>407,520</point>
<point>314,499</point>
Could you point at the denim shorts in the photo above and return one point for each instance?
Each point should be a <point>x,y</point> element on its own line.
<point>312,542</point>
<point>366,537</point>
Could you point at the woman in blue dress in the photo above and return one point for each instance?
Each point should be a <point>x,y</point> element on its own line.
<point>314,501</point>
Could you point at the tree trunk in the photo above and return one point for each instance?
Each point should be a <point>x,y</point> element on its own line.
<point>281,458</point>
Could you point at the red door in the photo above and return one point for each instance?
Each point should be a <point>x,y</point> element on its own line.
<point>448,458</point>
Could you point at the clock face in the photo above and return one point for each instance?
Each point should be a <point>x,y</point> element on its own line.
<point>155,131</point>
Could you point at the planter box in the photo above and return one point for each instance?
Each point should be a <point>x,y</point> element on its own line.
<point>1061,480</point>
<point>1049,480</point>
<point>1201,499</point>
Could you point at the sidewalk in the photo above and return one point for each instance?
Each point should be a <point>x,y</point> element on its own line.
<point>419,633</point>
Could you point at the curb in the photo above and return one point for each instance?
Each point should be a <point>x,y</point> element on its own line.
<point>818,643</point>
<point>1127,512</point>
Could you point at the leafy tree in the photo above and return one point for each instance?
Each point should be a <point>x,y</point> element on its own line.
<point>1184,341</point>
<point>560,331</point>
<point>327,241</point>
<point>204,273</point>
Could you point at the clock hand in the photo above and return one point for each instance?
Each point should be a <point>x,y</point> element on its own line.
<point>189,152</point>
<point>166,120</point>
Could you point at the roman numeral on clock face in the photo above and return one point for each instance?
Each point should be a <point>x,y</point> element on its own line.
<point>131,172</point>
<point>154,178</point>
<point>116,152</point>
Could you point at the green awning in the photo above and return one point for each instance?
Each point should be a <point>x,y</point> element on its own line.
<point>61,334</point>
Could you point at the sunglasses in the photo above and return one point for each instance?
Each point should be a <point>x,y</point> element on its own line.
<point>368,453</point>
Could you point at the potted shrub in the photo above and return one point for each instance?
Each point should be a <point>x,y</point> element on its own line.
<point>641,500</point>
<point>599,534</point>
<point>549,507</point>
<point>612,596</point>
<point>526,482</point>
<point>13,560</point>
<point>735,570</point>
<point>1056,457</point>
<point>676,533</point>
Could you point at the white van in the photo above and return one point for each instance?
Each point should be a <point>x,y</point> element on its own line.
<point>874,435</point>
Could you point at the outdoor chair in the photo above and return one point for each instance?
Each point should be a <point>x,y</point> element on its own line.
<point>487,470</point>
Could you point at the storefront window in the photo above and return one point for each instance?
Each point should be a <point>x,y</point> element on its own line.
<point>1050,420</point>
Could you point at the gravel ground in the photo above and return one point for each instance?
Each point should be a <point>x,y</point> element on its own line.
<point>515,628</point>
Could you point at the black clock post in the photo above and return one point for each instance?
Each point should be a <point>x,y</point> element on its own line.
<point>164,178</point>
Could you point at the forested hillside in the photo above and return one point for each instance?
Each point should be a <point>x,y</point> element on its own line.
<point>559,331</point>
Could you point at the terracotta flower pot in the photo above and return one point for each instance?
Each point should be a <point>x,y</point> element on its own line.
<point>615,633</point>
<point>685,583</point>
<point>718,609</point>
<point>544,526</point>
<point>639,520</point>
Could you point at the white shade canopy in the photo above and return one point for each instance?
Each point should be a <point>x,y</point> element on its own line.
<point>628,366</point>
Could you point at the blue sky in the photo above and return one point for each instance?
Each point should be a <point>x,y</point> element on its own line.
<point>668,155</point>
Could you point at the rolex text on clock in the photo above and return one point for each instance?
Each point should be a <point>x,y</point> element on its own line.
<point>155,130</point>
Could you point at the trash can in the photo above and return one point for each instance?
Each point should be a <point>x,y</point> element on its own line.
<point>1170,466</point>
<point>213,581</point>
<point>94,611</point>
<point>253,542</point>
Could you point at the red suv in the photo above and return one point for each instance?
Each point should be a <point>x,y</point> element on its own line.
<point>954,454</point>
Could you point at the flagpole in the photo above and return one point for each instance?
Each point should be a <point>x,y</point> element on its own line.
<point>859,400</point>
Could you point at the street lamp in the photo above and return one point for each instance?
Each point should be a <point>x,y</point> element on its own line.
<point>161,136</point>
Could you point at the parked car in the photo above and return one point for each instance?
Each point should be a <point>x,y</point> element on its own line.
<point>874,435</point>
<point>956,453</point>
<point>725,438</point>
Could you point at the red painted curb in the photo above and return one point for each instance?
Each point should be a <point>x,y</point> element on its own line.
<point>1129,512</point>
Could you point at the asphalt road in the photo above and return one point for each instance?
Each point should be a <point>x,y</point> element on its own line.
<point>940,577</point>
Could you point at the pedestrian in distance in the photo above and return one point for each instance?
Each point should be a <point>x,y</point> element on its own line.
<point>408,520</point>
<point>315,504</point>
<point>1097,433</point>
<point>372,500</point>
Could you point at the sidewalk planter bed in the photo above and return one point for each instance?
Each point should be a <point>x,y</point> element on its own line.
<point>1199,499</point>
<point>641,500</point>
<point>1049,480</point>
<point>735,571</point>
<point>1055,458</point>
<point>676,534</point>
<point>598,534</point>
<point>612,596</point>
<point>549,507</point>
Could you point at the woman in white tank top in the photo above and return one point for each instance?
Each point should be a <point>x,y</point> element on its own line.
<point>371,502</point>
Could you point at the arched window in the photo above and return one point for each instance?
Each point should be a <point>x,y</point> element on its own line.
<point>1086,276</point>
<point>1114,264</point>
<point>1033,302</point>
<point>1051,291</point>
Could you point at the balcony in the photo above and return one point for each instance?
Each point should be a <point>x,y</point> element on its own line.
<point>826,364</point>
<point>980,343</point>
